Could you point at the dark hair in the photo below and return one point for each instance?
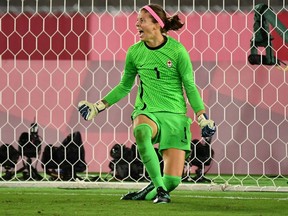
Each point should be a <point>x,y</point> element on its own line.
<point>170,23</point>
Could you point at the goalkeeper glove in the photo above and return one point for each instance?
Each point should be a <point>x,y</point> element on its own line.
<point>207,125</point>
<point>89,110</point>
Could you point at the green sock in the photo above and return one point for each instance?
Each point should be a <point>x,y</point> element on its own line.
<point>143,136</point>
<point>171,182</point>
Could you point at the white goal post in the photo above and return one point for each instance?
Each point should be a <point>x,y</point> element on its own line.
<point>55,53</point>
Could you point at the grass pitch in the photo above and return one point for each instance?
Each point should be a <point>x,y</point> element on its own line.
<point>106,202</point>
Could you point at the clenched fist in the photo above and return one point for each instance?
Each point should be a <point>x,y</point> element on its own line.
<point>207,125</point>
<point>90,110</point>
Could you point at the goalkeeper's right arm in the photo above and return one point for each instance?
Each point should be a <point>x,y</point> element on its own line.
<point>90,110</point>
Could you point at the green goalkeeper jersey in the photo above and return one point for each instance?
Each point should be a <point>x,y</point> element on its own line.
<point>163,72</point>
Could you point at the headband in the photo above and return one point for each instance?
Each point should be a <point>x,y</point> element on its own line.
<point>154,15</point>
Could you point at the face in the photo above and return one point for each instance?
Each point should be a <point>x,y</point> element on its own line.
<point>146,28</point>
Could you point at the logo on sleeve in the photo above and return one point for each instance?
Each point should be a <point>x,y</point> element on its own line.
<point>169,63</point>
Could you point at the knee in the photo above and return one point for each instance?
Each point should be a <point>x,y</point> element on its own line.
<point>142,132</point>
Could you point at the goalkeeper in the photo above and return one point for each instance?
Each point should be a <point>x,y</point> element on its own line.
<point>163,67</point>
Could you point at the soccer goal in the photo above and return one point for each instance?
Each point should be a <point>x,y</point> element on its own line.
<point>54,53</point>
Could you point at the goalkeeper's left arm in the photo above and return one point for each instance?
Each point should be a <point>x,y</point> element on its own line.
<point>207,125</point>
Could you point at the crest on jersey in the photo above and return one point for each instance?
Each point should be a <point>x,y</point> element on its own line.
<point>169,63</point>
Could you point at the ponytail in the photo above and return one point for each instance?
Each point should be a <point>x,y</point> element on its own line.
<point>172,23</point>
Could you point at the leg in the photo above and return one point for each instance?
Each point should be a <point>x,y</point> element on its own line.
<point>144,131</point>
<point>174,160</point>
<point>174,145</point>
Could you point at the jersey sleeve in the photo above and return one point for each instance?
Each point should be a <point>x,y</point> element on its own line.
<point>187,74</point>
<point>125,85</point>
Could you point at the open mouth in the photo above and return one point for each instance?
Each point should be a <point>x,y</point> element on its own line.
<point>140,33</point>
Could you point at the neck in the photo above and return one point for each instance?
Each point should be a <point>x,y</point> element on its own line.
<point>155,42</point>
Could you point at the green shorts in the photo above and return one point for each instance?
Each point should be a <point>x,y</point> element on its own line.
<point>173,130</point>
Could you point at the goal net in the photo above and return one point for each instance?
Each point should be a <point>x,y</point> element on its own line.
<point>55,53</point>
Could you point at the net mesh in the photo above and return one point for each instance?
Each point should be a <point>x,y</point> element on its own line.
<point>55,53</point>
